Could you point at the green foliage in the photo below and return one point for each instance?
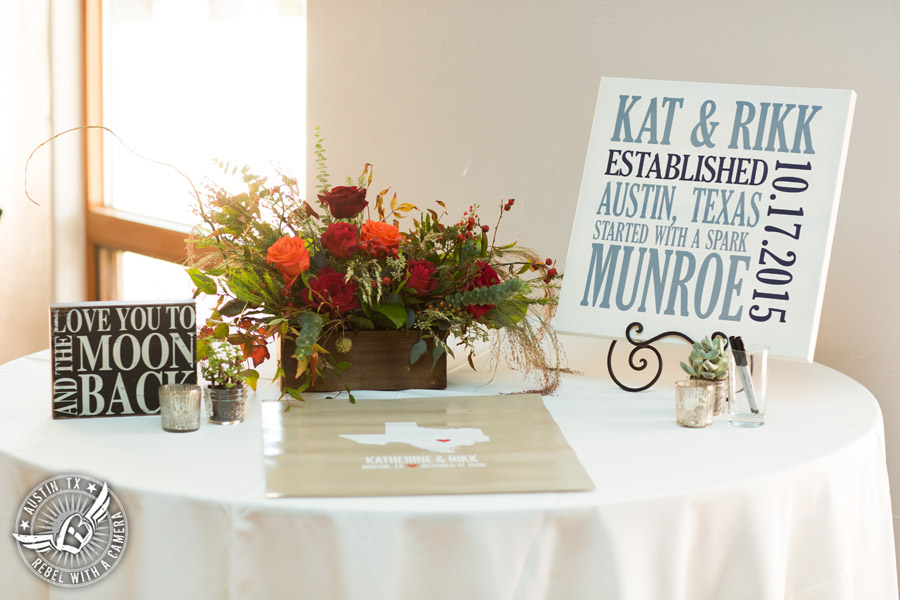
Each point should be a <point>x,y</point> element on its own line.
<point>494,294</point>
<point>307,335</point>
<point>250,287</point>
<point>417,351</point>
<point>204,283</point>
<point>394,312</point>
<point>321,167</point>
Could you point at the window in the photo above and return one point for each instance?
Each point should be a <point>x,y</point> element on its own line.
<point>180,82</point>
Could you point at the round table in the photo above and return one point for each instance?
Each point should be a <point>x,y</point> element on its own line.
<point>798,508</point>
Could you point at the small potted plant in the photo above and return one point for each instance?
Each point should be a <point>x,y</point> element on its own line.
<point>222,366</point>
<point>709,362</point>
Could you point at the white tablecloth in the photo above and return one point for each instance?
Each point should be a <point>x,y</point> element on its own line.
<point>798,509</point>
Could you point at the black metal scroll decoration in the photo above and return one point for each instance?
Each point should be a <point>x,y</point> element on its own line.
<point>641,364</point>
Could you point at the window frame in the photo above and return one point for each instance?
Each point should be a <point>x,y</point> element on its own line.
<point>109,231</point>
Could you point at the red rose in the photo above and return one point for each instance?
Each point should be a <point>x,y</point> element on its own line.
<point>289,256</point>
<point>341,239</point>
<point>421,276</point>
<point>328,292</point>
<point>486,277</point>
<point>379,239</point>
<point>344,202</point>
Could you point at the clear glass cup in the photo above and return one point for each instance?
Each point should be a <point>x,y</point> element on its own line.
<point>748,379</point>
<point>694,402</point>
<point>179,407</point>
<point>226,406</point>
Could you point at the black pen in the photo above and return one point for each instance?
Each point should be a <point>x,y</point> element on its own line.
<point>740,359</point>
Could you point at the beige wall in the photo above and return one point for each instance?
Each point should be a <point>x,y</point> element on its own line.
<point>477,100</point>
<point>26,235</point>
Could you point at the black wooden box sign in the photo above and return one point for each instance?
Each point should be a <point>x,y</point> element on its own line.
<point>109,358</point>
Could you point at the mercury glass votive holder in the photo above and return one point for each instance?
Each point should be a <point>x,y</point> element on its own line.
<point>179,407</point>
<point>694,402</point>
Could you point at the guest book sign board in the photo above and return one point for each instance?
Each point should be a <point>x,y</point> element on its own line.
<point>109,358</point>
<point>707,207</point>
<point>409,446</point>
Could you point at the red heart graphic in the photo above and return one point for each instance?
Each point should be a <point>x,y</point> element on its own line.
<point>411,466</point>
<point>443,440</point>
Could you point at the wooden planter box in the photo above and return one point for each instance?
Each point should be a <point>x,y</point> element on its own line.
<point>379,361</point>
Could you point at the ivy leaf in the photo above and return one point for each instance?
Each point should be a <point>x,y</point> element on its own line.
<point>251,376</point>
<point>204,283</point>
<point>295,393</point>
<point>232,308</point>
<point>363,323</point>
<point>202,349</point>
<point>416,352</point>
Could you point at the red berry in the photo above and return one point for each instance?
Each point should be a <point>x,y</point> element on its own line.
<point>468,235</point>
<point>511,201</point>
<point>551,273</point>
<point>485,229</point>
<point>507,207</point>
<point>460,237</point>
<point>385,280</point>
<point>471,222</point>
<point>548,262</point>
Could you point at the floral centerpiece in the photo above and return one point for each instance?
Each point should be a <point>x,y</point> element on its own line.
<point>281,266</point>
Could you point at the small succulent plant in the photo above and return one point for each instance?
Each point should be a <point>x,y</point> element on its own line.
<point>221,363</point>
<point>708,360</point>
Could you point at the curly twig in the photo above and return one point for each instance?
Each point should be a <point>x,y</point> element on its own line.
<point>124,145</point>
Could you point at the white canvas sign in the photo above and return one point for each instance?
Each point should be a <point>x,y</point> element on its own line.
<point>707,207</point>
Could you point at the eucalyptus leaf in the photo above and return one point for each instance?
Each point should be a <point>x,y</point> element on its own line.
<point>436,354</point>
<point>416,352</point>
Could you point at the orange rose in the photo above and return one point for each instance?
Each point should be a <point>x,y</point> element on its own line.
<point>289,255</point>
<point>380,239</point>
